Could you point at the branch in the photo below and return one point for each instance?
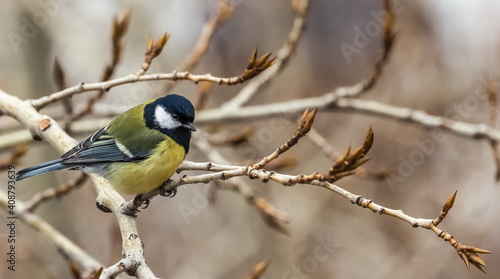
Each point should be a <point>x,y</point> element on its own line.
<point>69,248</point>
<point>120,26</point>
<point>224,11</point>
<point>42,127</point>
<point>301,8</point>
<point>53,193</point>
<point>273,217</point>
<point>305,124</point>
<point>14,156</point>
<point>345,165</point>
<point>152,51</point>
<point>258,270</point>
<point>334,102</point>
<point>492,121</point>
<point>254,68</point>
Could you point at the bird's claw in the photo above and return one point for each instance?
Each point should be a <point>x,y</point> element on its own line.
<point>167,193</point>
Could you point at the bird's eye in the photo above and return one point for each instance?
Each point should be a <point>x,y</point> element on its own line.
<point>175,116</point>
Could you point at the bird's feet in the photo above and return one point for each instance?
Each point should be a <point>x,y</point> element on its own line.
<point>133,208</point>
<point>102,207</point>
<point>167,193</point>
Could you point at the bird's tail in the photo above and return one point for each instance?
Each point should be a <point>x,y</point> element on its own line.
<point>41,168</point>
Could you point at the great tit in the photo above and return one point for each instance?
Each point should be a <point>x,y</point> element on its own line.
<point>138,151</point>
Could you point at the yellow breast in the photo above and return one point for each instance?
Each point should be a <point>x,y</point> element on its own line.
<point>130,178</point>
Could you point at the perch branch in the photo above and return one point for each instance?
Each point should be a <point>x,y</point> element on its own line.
<point>42,127</point>
<point>348,162</point>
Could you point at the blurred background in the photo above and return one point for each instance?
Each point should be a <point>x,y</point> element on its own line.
<point>444,54</point>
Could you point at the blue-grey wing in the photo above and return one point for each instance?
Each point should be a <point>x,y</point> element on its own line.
<point>100,148</point>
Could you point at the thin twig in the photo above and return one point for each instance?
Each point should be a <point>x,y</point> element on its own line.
<point>120,26</point>
<point>273,217</point>
<point>13,156</point>
<point>259,270</point>
<point>152,51</point>
<point>71,250</point>
<point>60,80</point>
<point>225,9</point>
<point>53,193</point>
<point>254,68</point>
<point>331,154</point>
<point>301,8</point>
<point>492,120</point>
<point>305,124</point>
<point>204,90</point>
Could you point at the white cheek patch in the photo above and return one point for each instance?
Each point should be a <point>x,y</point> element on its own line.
<point>164,119</point>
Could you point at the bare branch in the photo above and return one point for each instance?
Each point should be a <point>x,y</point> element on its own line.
<point>253,69</point>
<point>259,270</point>
<point>14,156</point>
<point>120,26</point>
<point>301,8</point>
<point>331,154</point>
<point>204,90</point>
<point>42,126</point>
<point>152,51</point>
<point>492,120</point>
<point>53,193</point>
<point>305,124</point>
<point>69,248</point>
<point>273,217</point>
<point>224,11</point>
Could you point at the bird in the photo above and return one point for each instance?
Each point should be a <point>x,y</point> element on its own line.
<point>137,152</point>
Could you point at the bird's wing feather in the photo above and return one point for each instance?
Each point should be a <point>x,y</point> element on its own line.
<point>99,148</point>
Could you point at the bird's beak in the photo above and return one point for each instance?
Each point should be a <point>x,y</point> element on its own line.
<point>189,126</point>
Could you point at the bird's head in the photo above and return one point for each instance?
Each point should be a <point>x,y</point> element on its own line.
<point>172,115</point>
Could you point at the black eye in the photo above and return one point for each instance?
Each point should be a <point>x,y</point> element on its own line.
<point>175,116</point>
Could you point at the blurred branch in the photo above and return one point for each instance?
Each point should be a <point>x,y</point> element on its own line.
<point>13,156</point>
<point>301,8</point>
<point>69,248</point>
<point>224,11</point>
<point>333,102</point>
<point>120,26</point>
<point>254,68</point>
<point>235,139</point>
<point>53,193</point>
<point>204,90</point>
<point>259,270</point>
<point>60,80</point>
<point>492,121</point>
